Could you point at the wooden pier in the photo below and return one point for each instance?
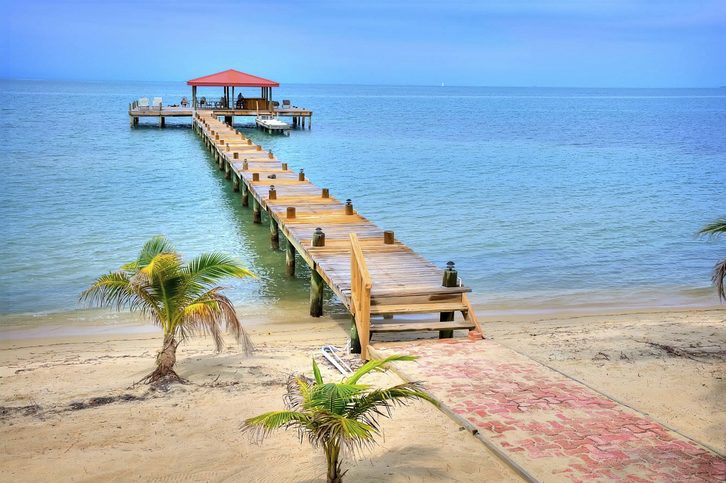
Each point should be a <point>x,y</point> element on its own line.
<point>227,105</point>
<point>299,118</point>
<point>375,276</point>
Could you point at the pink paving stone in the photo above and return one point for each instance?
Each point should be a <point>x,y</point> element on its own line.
<point>563,422</point>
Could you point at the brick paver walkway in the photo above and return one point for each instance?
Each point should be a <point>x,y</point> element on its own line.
<point>554,427</point>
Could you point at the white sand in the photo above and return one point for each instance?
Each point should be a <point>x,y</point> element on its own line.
<point>190,433</point>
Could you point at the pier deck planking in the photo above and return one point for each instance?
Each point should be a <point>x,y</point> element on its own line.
<point>372,274</point>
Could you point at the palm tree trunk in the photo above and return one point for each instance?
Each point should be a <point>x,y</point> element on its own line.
<point>332,451</point>
<point>165,361</point>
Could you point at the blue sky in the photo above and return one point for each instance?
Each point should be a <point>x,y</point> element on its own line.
<point>634,43</point>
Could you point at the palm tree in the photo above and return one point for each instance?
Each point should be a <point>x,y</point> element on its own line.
<point>336,415</point>
<point>716,229</point>
<point>182,299</point>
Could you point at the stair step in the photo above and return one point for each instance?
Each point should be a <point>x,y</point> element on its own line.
<point>418,308</point>
<point>414,326</point>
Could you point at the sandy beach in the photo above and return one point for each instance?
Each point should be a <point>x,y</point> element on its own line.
<point>70,410</point>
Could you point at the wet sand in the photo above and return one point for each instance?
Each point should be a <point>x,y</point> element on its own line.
<point>70,411</point>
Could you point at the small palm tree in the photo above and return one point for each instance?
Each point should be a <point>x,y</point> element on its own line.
<point>336,415</point>
<point>716,229</point>
<point>181,298</point>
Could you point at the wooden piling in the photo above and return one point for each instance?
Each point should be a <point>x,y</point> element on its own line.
<point>245,195</point>
<point>316,281</point>
<point>255,176</point>
<point>354,339</point>
<point>325,193</point>
<point>450,279</point>
<point>348,207</point>
<point>290,212</point>
<point>235,184</point>
<point>318,237</point>
<point>290,259</point>
<point>301,175</point>
<point>274,234</point>
<point>388,237</point>
<point>256,211</point>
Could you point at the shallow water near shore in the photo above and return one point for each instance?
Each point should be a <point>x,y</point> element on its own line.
<point>546,199</point>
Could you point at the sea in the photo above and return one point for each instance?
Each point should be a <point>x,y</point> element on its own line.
<point>546,199</point>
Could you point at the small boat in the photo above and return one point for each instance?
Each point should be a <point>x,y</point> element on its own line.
<point>271,124</point>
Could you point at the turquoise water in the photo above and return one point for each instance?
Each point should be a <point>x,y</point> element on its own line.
<point>544,198</point>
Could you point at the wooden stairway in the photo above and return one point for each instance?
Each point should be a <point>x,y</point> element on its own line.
<point>365,302</point>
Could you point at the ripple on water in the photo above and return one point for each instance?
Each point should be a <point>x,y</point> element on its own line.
<point>542,197</point>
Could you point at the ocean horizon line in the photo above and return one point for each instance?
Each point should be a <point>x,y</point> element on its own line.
<point>346,84</point>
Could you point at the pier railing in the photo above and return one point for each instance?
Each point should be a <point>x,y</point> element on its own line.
<point>158,109</point>
<point>250,104</point>
<point>360,288</point>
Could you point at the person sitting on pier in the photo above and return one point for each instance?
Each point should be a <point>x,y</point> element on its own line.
<point>240,101</point>
<point>184,102</point>
<point>203,101</point>
<point>222,102</point>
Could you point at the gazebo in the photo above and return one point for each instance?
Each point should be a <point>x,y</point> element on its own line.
<point>229,79</point>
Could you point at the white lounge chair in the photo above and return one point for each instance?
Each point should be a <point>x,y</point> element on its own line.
<point>156,102</point>
<point>286,104</point>
<point>143,103</point>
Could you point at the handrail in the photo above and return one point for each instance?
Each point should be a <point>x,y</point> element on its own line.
<point>360,288</point>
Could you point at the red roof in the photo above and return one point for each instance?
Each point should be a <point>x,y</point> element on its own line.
<point>232,77</point>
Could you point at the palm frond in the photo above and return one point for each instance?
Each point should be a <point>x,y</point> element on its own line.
<point>316,373</point>
<point>201,317</point>
<point>259,427</point>
<point>719,278</point>
<point>208,315</point>
<point>380,402</point>
<point>155,246</point>
<point>162,266</point>
<point>115,290</point>
<point>333,397</point>
<point>715,228</point>
<point>210,268</point>
<point>351,434</point>
<point>298,391</point>
<point>232,321</point>
<point>377,365</point>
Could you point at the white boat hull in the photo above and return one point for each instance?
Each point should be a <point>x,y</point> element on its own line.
<point>271,124</point>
